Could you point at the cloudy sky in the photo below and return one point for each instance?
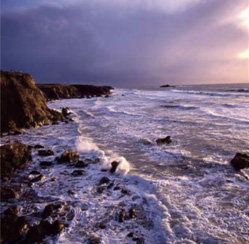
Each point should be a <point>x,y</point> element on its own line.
<point>127,42</point>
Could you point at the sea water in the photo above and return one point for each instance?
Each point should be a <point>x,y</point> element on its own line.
<point>187,190</point>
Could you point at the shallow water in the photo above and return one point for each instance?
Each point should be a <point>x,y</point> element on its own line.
<point>187,190</point>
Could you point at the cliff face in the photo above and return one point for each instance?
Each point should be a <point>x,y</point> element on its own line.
<point>58,91</point>
<point>23,105</point>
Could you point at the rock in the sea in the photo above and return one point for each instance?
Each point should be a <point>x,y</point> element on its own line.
<point>45,153</point>
<point>38,232</point>
<point>8,193</point>
<point>132,213</point>
<point>13,156</point>
<point>240,161</point>
<point>114,166</point>
<point>12,227</point>
<point>65,112</point>
<point>81,164</point>
<point>78,172</point>
<point>38,146</point>
<point>164,141</point>
<point>104,180</point>
<point>94,240</point>
<point>50,210</point>
<point>23,105</point>
<point>69,156</point>
<point>122,215</point>
<point>46,163</point>
<point>38,178</point>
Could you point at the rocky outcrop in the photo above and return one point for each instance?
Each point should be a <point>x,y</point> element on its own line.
<point>240,161</point>
<point>13,156</point>
<point>166,86</point>
<point>164,141</point>
<point>59,91</point>
<point>23,105</point>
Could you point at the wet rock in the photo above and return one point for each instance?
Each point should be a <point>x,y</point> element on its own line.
<point>164,141</point>
<point>78,173</point>
<point>132,213</point>
<point>240,161</point>
<point>38,232</point>
<point>130,235</point>
<point>114,166</point>
<point>53,179</point>
<point>102,225</point>
<point>46,163</point>
<point>116,188</point>
<point>12,227</point>
<point>104,180</point>
<point>110,185</point>
<point>8,193</point>
<point>122,216</point>
<point>12,210</point>
<point>81,164</point>
<point>45,153</point>
<point>71,192</point>
<point>124,191</point>
<point>94,240</point>
<point>138,240</point>
<point>38,146</point>
<point>69,156</point>
<point>13,156</point>
<point>65,112</point>
<point>34,172</point>
<point>38,178</point>
<point>100,189</point>
<point>50,210</point>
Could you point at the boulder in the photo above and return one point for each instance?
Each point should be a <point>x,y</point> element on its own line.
<point>38,146</point>
<point>38,232</point>
<point>65,112</point>
<point>78,172</point>
<point>8,193</point>
<point>50,210</point>
<point>164,141</point>
<point>12,227</point>
<point>114,166</point>
<point>14,156</point>
<point>94,240</point>
<point>104,180</point>
<point>81,164</point>
<point>240,161</point>
<point>23,105</point>
<point>45,153</point>
<point>69,156</point>
<point>46,163</point>
<point>38,178</point>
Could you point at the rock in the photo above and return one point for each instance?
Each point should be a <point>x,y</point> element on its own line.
<point>69,156</point>
<point>124,191</point>
<point>12,210</point>
<point>164,141</point>
<point>130,235</point>
<point>53,179</point>
<point>23,105</point>
<point>17,132</point>
<point>100,189</point>
<point>13,156</point>
<point>110,185</point>
<point>38,146</point>
<point>38,232</point>
<point>166,86</point>
<point>38,178</point>
<point>102,225</point>
<point>65,112</point>
<point>45,153</point>
<point>240,161</point>
<point>116,188</point>
<point>78,172</point>
<point>94,240</point>
<point>46,163</point>
<point>12,227</point>
<point>114,166</point>
<point>8,193</point>
<point>49,210</point>
<point>122,216</point>
<point>104,180</point>
<point>138,240</point>
<point>34,172</point>
<point>71,192</point>
<point>132,213</point>
<point>81,164</point>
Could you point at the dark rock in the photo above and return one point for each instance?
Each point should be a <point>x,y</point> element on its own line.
<point>23,105</point>
<point>94,240</point>
<point>38,178</point>
<point>53,179</point>
<point>65,112</point>
<point>45,153</point>
<point>34,172</point>
<point>122,215</point>
<point>69,156</point>
<point>164,141</point>
<point>38,146</point>
<point>8,193</point>
<point>12,227</point>
<point>114,166</point>
<point>78,172</point>
<point>30,148</point>
<point>17,132</point>
<point>132,213</point>
<point>104,180</point>
<point>130,235</point>
<point>13,156</point>
<point>71,192</point>
<point>102,225</point>
<point>81,164</point>
<point>50,210</point>
<point>124,191</point>
<point>110,185</point>
<point>166,86</point>
<point>46,163</point>
<point>38,232</point>
<point>100,189</point>
<point>138,240</point>
<point>240,161</point>
<point>12,210</point>
<point>116,188</point>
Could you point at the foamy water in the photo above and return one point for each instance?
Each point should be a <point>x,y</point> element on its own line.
<point>187,191</point>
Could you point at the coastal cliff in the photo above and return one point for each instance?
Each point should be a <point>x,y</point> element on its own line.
<point>59,91</point>
<point>23,105</point>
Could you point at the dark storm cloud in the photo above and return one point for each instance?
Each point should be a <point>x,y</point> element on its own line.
<point>124,45</point>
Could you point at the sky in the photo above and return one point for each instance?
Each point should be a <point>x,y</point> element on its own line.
<point>127,43</point>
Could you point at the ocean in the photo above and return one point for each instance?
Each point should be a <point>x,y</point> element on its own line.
<point>183,192</point>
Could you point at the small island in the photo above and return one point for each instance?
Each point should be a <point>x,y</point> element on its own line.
<point>166,86</point>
